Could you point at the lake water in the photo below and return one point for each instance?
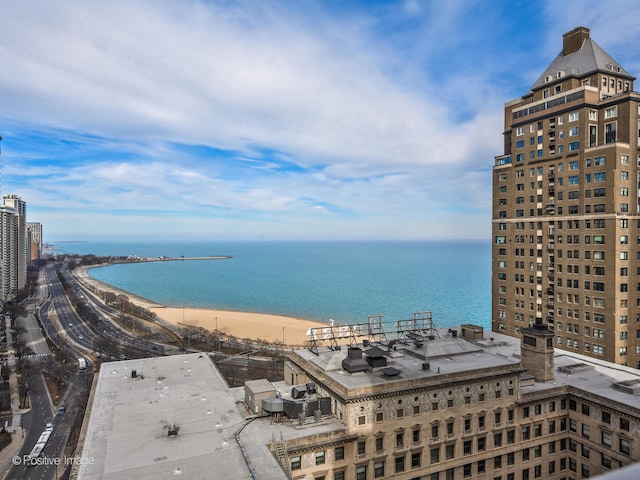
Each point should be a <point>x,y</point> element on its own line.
<point>344,281</point>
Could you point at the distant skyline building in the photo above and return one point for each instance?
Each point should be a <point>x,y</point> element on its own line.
<point>34,241</point>
<point>20,211</point>
<point>9,253</point>
<point>565,222</point>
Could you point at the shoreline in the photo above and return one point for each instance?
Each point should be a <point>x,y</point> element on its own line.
<point>253,325</point>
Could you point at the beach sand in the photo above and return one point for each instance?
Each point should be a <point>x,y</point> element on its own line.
<point>256,326</point>
<point>251,325</point>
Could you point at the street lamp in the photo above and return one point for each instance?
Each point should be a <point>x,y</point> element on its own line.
<point>283,335</point>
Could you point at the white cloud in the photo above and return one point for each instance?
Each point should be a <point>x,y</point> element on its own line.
<point>368,124</point>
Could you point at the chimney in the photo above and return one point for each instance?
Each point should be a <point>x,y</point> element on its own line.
<point>572,41</point>
<point>536,351</point>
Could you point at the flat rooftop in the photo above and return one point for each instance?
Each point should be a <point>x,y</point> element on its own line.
<point>130,416</point>
<point>421,361</point>
<point>128,431</point>
<point>448,353</point>
<point>127,434</point>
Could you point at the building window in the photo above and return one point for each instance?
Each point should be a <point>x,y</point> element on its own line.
<point>435,456</point>
<point>624,424</point>
<point>296,463</point>
<point>606,439</point>
<point>482,444</point>
<point>467,447</point>
<point>610,132</point>
<point>378,469</point>
<point>400,464</point>
<point>339,453</point>
<point>320,458</point>
<point>362,448</point>
<point>625,446</point>
<point>450,451</point>
<point>380,445</point>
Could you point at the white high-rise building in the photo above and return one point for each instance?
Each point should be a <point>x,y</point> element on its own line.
<point>8,253</point>
<point>19,207</point>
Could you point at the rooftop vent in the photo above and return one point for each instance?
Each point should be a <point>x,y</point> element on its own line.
<point>273,405</point>
<point>575,368</point>
<point>298,392</point>
<point>390,372</point>
<point>173,430</point>
<point>354,361</point>
<point>376,357</point>
<point>631,387</point>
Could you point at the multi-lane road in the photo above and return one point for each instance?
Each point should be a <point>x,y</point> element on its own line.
<point>66,331</point>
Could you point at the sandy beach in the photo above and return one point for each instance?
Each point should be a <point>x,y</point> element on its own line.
<point>251,325</point>
<point>256,326</point>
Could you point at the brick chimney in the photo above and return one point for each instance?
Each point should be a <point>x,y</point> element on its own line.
<point>536,351</point>
<point>572,41</point>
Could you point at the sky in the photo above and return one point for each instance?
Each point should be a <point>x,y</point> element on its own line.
<point>272,120</point>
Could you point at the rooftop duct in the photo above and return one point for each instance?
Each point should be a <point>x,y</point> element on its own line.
<point>631,387</point>
<point>298,392</point>
<point>354,361</point>
<point>376,357</point>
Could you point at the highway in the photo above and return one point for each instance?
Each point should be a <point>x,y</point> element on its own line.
<point>68,333</point>
<point>70,337</point>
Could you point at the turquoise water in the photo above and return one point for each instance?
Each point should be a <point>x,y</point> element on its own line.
<point>344,281</point>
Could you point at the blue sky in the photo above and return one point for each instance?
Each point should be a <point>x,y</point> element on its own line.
<point>270,120</point>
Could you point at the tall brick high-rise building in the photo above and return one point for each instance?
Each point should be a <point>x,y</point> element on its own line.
<point>566,221</point>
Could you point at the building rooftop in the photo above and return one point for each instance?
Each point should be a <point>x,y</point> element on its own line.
<point>588,58</point>
<point>131,416</point>
<point>175,416</point>
<point>449,354</point>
